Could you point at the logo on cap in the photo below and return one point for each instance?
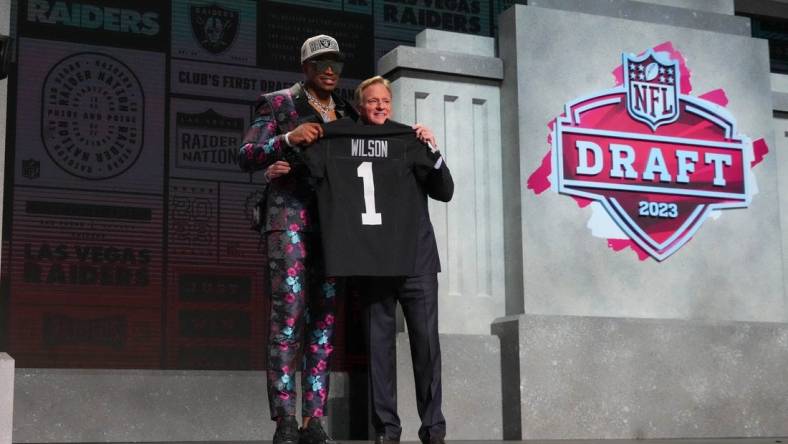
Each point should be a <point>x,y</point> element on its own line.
<point>319,44</point>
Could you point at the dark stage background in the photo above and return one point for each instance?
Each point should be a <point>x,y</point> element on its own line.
<point>126,237</point>
<point>126,240</point>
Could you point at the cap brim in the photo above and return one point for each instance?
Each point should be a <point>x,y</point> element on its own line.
<point>338,55</point>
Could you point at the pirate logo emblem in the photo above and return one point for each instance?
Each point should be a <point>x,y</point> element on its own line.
<point>651,83</point>
<point>31,169</point>
<point>321,44</point>
<point>214,27</point>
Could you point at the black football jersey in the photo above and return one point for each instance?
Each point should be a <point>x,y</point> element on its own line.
<point>370,200</point>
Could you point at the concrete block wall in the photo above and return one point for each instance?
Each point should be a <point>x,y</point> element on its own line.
<point>576,377</point>
<point>71,405</point>
<point>6,398</point>
<point>718,6</point>
<point>780,152</point>
<point>471,388</point>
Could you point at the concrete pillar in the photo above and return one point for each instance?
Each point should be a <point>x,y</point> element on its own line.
<point>450,82</point>
<point>780,151</point>
<point>6,398</point>
<point>718,6</point>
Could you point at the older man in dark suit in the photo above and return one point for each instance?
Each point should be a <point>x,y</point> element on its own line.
<point>417,294</point>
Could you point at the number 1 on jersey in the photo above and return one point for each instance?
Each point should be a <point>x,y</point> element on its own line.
<point>369,216</point>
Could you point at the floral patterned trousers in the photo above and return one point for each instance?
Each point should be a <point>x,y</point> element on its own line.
<point>303,305</point>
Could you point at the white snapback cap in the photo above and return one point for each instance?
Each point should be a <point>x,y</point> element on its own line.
<point>318,45</point>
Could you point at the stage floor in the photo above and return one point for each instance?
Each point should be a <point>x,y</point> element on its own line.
<point>776,440</point>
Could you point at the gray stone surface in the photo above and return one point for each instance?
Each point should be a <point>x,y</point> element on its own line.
<point>55,405</point>
<point>511,89</point>
<point>663,12</point>
<point>718,6</point>
<point>471,387</point>
<point>444,62</point>
<point>779,84</point>
<point>507,330</point>
<point>613,378</point>
<point>732,269</point>
<point>780,151</point>
<point>6,398</point>
<point>5,16</point>
<point>464,114</point>
<point>456,42</point>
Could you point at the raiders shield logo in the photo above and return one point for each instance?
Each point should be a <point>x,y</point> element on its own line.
<point>214,27</point>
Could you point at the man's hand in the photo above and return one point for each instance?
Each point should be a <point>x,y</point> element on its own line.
<point>425,135</point>
<point>305,134</point>
<point>277,169</point>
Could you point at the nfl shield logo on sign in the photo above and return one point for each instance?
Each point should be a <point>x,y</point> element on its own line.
<point>658,160</point>
<point>651,81</point>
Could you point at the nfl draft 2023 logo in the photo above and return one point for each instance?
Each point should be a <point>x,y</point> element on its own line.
<point>658,160</point>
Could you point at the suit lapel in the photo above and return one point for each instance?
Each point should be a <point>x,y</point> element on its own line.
<point>305,111</point>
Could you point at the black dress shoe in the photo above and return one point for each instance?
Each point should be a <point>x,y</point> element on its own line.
<point>313,433</point>
<point>381,439</point>
<point>433,440</point>
<point>286,431</point>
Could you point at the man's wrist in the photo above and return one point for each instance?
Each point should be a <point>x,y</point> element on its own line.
<point>287,139</point>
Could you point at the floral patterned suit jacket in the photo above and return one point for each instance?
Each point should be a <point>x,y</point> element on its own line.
<point>290,200</point>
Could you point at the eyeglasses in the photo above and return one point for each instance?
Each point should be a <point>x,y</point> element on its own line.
<point>324,64</point>
<point>376,102</point>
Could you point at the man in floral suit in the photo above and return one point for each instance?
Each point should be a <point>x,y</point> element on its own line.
<point>302,298</point>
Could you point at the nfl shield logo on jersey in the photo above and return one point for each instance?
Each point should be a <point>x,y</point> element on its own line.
<point>651,81</point>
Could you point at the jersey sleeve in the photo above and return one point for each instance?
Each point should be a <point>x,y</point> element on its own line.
<point>315,157</point>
